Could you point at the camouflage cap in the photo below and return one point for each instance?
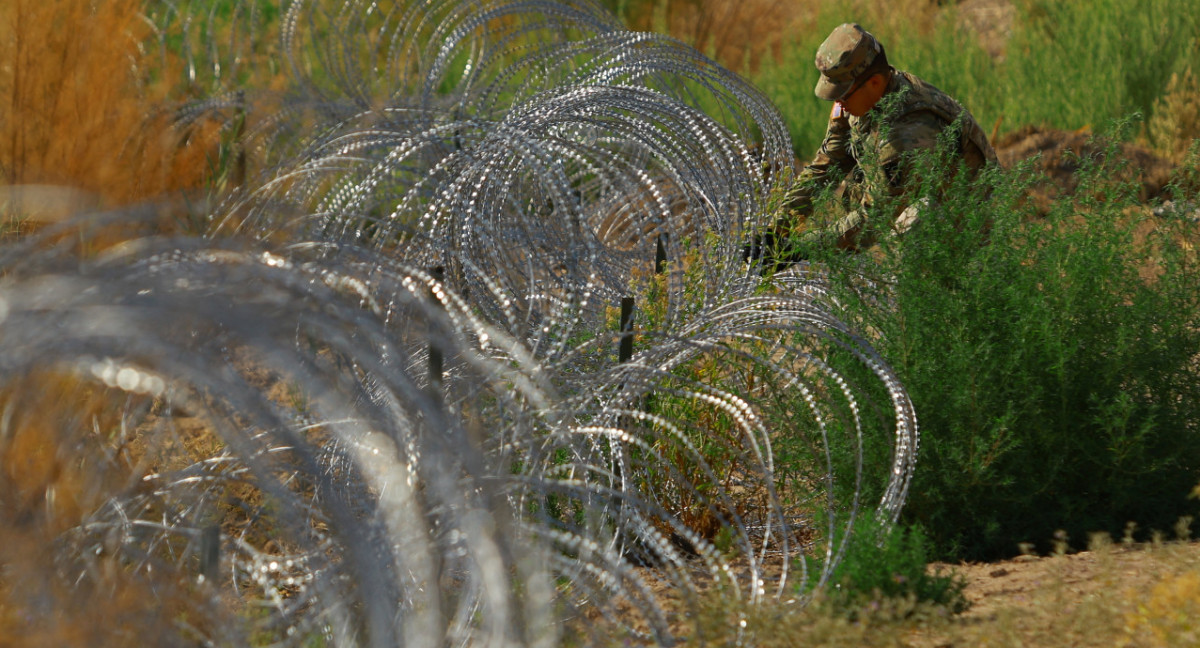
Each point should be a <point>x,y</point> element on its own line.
<point>842,58</point>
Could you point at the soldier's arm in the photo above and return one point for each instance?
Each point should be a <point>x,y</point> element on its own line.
<point>831,163</point>
<point>905,140</point>
<point>892,174</point>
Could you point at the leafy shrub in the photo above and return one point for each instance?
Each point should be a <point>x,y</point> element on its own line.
<point>881,564</point>
<point>1052,361</point>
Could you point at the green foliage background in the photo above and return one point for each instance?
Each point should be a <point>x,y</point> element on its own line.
<point>1068,64</point>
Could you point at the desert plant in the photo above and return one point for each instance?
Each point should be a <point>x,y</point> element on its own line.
<point>86,106</point>
<point>891,563</point>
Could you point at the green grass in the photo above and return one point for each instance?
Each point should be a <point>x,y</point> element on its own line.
<point>1068,64</point>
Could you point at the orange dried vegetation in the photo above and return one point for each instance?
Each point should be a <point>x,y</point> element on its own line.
<point>57,467</point>
<point>81,106</point>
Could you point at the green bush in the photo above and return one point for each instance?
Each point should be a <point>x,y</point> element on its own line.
<point>882,564</point>
<point>1054,361</point>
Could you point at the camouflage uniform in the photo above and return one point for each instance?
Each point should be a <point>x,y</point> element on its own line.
<point>873,151</point>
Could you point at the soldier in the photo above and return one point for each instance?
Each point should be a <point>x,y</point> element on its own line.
<point>880,116</point>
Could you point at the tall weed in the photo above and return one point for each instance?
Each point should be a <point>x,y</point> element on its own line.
<point>83,108</point>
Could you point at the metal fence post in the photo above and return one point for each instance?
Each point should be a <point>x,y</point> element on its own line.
<point>660,254</point>
<point>625,347</point>
<point>436,359</point>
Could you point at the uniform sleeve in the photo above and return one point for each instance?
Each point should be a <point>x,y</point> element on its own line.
<point>831,163</point>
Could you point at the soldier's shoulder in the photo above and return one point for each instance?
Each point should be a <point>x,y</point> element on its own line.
<point>920,87</point>
<point>917,130</point>
<point>916,94</point>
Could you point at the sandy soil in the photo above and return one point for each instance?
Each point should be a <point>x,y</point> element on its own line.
<point>1081,599</point>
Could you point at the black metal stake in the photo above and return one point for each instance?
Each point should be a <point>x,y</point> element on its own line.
<point>660,254</point>
<point>436,360</point>
<point>210,553</point>
<point>625,347</point>
<point>239,159</point>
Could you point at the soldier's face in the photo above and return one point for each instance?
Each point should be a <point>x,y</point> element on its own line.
<point>865,97</point>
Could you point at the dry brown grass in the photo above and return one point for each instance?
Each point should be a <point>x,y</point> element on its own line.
<point>67,447</point>
<point>109,605</point>
<point>81,106</point>
<point>47,480</point>
<point>1176,120</point>
<point>59,462</point>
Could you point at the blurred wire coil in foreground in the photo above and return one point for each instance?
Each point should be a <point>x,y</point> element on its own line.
<point>378,400</point>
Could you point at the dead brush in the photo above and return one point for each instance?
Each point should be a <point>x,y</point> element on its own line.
<point>84,107</point>
<point>63,455</point>
<point>1175,123</point>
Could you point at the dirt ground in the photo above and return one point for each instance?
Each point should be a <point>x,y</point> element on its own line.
<point>1060,154</point>
<point>1120,594</point>
<point>994,586</point>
